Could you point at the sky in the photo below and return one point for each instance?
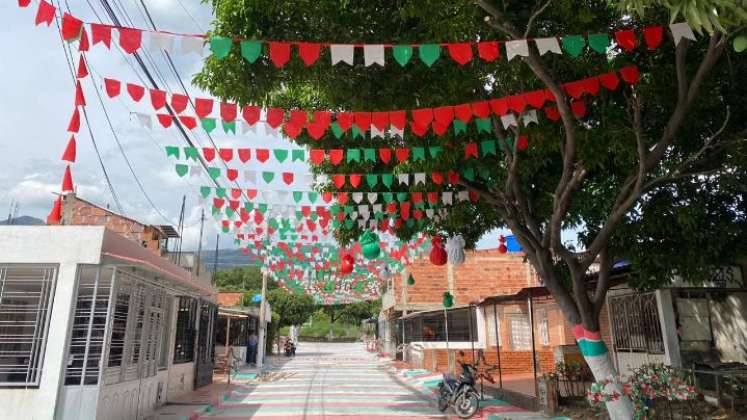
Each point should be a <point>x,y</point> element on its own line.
<point>37,100</point>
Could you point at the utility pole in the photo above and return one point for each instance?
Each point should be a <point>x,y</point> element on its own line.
<point>215,257</point>
<point>262,324</point>
<point>181,231</point>
<point>199,244</point>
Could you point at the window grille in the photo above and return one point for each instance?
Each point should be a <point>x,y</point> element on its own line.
<point>635,323</point>
<point>521,332</point>
<point>184,344</point>
<point>26,294</point>
<point>85,347</point>
<point>431,327</point>
<point>544,327</point>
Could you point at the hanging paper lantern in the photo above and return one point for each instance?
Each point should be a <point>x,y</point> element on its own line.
<point>347,265</point>
<point>502,248</point>
<point>370,245</point>
<point>455,249</point>
<point>448,300</point>
<point>411,280</point>
<point>438,253</point>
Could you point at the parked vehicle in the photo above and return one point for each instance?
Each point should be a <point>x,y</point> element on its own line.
<point>459,393</point>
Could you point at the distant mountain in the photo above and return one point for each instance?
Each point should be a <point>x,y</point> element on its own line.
<point>23,220</point>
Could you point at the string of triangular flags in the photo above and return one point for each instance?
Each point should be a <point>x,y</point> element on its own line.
<point>420,121</point>
<point>279,52</point>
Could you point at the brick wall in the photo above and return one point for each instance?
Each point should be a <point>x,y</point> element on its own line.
<point>82,213</point>
<point>228,299</point>
<point>512,362</point>
<point>484,273</point>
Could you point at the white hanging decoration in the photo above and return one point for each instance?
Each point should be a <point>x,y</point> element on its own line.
<point>455,249</point>
<point>517,47</point>
<point>545,45</point>
<point>342,52</point>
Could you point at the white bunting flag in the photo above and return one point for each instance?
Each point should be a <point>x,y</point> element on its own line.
<point>372,196</point>
<point>446,197</point>
<point>245,128</point>
<point>250,177</point>
<point>529,117</point>
<point>463,195</point>
<point>144,120</point>
<point>377,208</point>
<point>375,132</point>
<point>394,131</point>
<point>362,224</point>
<point>161,42</point>
<point>419,178</point>
<point>342,52</point>
<point>429,213</point>
<point>509,120</point>
<point>403,179</point>
<point>193,44</point>
<point>195,171</point>
<point>362,209</point>
<point>373,54</point>
<point>681,31</point>
<point>518,47</point>
<point>357,197</point>
<point>545,45</point>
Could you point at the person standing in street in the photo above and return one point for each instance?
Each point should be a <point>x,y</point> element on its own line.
<point>251,350</point>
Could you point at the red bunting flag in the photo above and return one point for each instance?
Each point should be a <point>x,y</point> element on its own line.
<point>101,33</point>
<point>250,114</point>
<point>335,156</point>
<point>653,36</point>
<point>136,92</point>
<point>463,112</point>
<point>83,45</point>
<point>157,98</point>
<point>45,13</point>
<point>626,39</point>
<point>262,155</point>
<point>316,156</point>
<point>82,68</point>
<point>187,121</point>
<point>165,120</point>
<point>385,155</point>
<point>80,100</point>
<point>460,52</point>
<point>203,107</point>
<point>55,215</point>
<point>112,87</point>
<point>288,178</point>
<point>130,39</point>
<point>226,154</point>
<point>488,51</point>
<point>275,117</point>
<point>228,111</point>
<point>74,124</point>
<point>24,3</point>
<point>179,102</point>
<point>245,155</point>
<point>67,180</point>
<point>309,52</point>
<point>279,53</point>
<point>71,27</point>
<point>70,150</point>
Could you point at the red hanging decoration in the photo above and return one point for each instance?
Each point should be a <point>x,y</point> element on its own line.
<point>279,53</point>
<point>460,52</point>
<point>45,13</point>
<point>130,39</point>
<point>250,114</point>
<point>626,39</point>
<point>309,52</point>
<point>67,180</point>
<point>74,124</point>
<point>203,107</point>
<point>82,68</point>
<point>179,102</point>
<point>157,98</point>
<point>112,87</point>
<point>228,111</point>
<point>71,27</point>
<point>80,100</point>
<point>438,254</point>
<point>55,216</point>
<point>136,92</point>
<point>630,74</point>
<point>653,36</point>
<point>502,248</point>
<point>275,117</point>
<point>70,149</point>
<point>101,33</point>
<point>24,3</point>
<point>463,113</point>
<point>83,45</point>
<point>347,264</point>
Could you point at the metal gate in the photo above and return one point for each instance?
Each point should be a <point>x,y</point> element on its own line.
<point>204,360</point>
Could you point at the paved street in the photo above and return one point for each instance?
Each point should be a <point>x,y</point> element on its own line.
<point>327,381</point>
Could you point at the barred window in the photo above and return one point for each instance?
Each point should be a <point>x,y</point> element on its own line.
<point>431,327</point>
<point>26,294</point>
<point>86,343</point>
<point>184,344</point>
<point>543,327</point>
<point>521,332</point>
<point>635,323</point>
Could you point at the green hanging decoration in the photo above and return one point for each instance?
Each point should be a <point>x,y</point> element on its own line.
<point>435,151</point>
<point>459,127</point>
<point>574,44</point>
<point>220,46</point>
<point>411,280</point>
<point>429,53</point>
<point>251,50</point>
<point>229,127</point>
<point>205,192</point>
<point>213,172</point>
<point>208,124</point>
<point>599,42</point>
<point>483,125</point>
<point>181,169</point>
<point>191,153</point>
<point>172,151</point>
<point>369,155</point>
<point>448,300</point>
<point>298,155</point>
<point>220,192</point>
<point>402,54</point>
<point>370,245</point>
<point>336,129</point>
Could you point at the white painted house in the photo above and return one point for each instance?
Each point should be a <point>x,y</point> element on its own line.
<point>94,326</point>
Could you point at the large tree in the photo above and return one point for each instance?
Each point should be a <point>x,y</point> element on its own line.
<point>653,173</point>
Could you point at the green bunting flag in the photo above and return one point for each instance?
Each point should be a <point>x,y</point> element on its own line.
<point>297,196</point>
<point>459,127</point>
<point>204,192</point>
<point>402,54</point>
<point>574,44</point>
<point>429,53</point>
<point>599,42</point>
<point>483,125</point>
<point>251,50</point>
<point>191,153</point>
<point>298,155</point>
<point>268,176</point>
<point>208,124</point>
<point>312,196</point>
<point>336,129</point>
<point>488,148</point>
<point>213,172</point>
<point>387,179</point>
<point>369,155</point>
<point>172,151</point>
<point>229,127</point>
<point>220,46</point>
<point>435,151</point>
<point>280,154</point>
<point>418,154</point>
<point>372,180</point>
<point>353,155</point>
<point>181,169</point>
<point>220,192</point>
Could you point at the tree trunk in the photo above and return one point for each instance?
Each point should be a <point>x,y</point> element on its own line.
<point>598,358</point>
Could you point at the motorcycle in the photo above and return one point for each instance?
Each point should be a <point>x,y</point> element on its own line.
<point>459,393</point>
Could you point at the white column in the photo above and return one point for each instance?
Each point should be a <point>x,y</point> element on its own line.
<point>668,323</point>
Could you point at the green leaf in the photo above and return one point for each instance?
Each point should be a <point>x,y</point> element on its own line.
<point>298,155</point>
<point>251,49</point>
<point>599,42</point>
<point>574,44</point>
<point>429,53</point>
<point>181,169</point>
<point>220,46</point>
<point>402,54</point>
<point>280,154</point>
<point>740,43</point>
<point>172,151</point>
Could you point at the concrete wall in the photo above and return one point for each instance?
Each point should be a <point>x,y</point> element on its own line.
<point>730,327</point>
<point>67,247</point>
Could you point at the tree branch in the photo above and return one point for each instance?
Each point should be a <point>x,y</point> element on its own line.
<point>534,16</point>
